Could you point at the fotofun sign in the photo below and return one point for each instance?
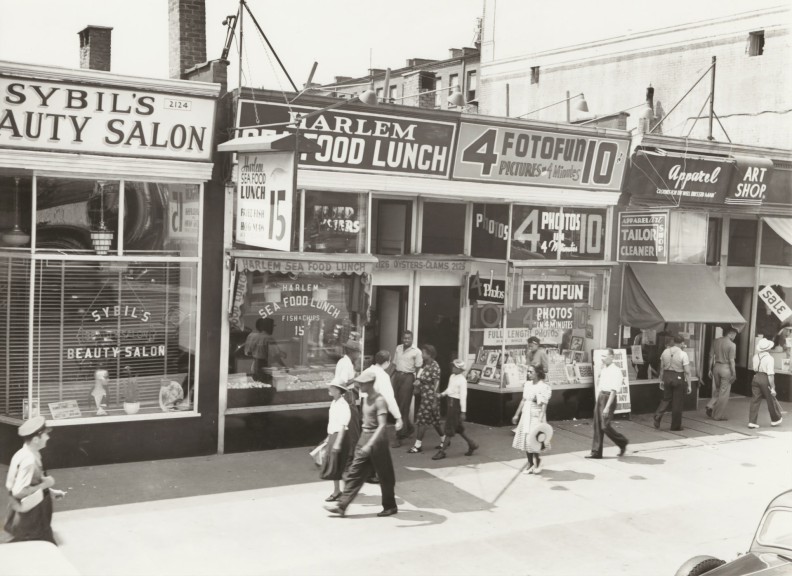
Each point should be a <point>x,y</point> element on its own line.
<point>361,141</point>
<point>265,199</point>
<point>104,120</point>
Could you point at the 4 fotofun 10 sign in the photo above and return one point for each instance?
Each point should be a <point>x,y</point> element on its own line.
<point>265,199</point>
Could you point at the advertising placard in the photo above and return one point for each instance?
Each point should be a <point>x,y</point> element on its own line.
<point>490,153</point>
<point>680,180</point>
<point>558,233</point>
<point>775,303</point>
<point>643,237</point>
<point>265,200</point>
<point>87,119</point>
<point>486,290</point>
<point>360,141</point>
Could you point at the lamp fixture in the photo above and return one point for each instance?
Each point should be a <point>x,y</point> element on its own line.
<point>581,106</point>
<point>102,237</point>
<point>457,98</point>
<point>16,236</point>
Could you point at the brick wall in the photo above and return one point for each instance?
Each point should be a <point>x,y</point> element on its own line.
<point>95,44</point>
<point>186,35</point>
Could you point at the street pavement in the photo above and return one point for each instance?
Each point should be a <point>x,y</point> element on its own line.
<point>673,496</point>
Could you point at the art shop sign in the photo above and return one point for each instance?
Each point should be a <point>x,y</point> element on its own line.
<point>97,119</point>
<point>360,141</point>
<point>643,237</point>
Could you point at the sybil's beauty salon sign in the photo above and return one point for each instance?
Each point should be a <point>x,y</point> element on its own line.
<point>104,120</point>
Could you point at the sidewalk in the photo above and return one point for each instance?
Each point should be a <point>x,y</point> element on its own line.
<point>147,481</point>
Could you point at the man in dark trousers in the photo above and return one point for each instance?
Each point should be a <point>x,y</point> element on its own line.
<point>407,360</point>
<point>722,373</point>
<point>674,378</point>
<point>609,383</point>
<point>372,453</point>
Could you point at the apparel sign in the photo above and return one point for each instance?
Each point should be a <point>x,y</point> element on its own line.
<point>265,191</point>
<point>95,119</point>
<point>643,237</point>
<point>775,303</point>
<point>680,180</point>
<point>360,141</point>
<point>490,231</point>
<point>556,292</point>
<point>553,233</point>
<point>541,157</point>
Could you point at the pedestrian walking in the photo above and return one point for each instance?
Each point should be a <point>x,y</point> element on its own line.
<point>723,373</point>
<point>763,385</point>
<point>371,453</point>
<point>674,380</point>
<point>456,392</point>
<point>531,412</point>
<point>536,355</point>
<point>345,372</point>
<point>427,386</point>
<point>383,385</point>
<point>29,486</point>
<point>407,360</point>
<point>609,383</point>
<point>340,446</point>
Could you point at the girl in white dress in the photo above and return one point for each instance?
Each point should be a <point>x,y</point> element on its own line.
<point>530,413</point>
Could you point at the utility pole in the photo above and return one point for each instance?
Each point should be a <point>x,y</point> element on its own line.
<point>712,100</point>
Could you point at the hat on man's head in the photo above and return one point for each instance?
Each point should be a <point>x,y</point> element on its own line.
<point>365,377</point>
<point>32,426</point>
<point>353,345</point>
<point>458,363</point>
<point>539,438</point>
<point>533,340</point>
<point>764,345</point>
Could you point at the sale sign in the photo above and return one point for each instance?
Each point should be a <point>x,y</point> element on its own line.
<point>775,303</point>
<point>265,191</point>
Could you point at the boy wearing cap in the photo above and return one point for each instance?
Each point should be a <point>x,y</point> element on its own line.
<point>27,478</point>
<point>456,391</point>
<point>371,453</point>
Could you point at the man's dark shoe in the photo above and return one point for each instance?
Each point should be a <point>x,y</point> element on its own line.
<point>623,449</point>
<point>593,456</point>
<point>471,448</point>
<point>388,512</point>
<point>657,422</point>
<point>335,509</point>
<point>439,456</point>
<point>373,480</point>
<point>708,410</point>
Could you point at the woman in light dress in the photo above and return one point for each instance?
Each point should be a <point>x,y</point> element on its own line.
<point>530,413</point>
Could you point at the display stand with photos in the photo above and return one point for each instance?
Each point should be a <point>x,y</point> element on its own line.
<point>619,359</point>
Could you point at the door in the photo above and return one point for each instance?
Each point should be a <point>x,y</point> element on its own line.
<point>388,319</point>
<point>438,324</point>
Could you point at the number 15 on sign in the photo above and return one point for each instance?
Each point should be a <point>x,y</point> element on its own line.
<point>265,201</point>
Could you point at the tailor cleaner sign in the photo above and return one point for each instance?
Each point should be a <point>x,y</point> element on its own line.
<point>265,192</point>
<point>643,237</point>
<point>104,120</point>
<point>539,157</point>
<point>360,141</point>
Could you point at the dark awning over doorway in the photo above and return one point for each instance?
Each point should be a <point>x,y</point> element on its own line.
<point>655,294</point>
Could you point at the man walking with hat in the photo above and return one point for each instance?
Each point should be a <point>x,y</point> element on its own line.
<point>30,488</point>
<point>674,375</point>
<point>722,372</point>
<point>610,382</point>
<point>763,384</point>
<point>371,453</point>
<point>407,360</point>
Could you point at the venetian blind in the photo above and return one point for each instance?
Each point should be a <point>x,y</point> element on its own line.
<point>14,323</point>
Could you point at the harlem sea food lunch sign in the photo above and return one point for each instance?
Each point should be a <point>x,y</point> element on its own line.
<point>104,120</point>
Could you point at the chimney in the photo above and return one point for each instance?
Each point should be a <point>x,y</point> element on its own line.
<point>186,35</point>
<point>95,47</point>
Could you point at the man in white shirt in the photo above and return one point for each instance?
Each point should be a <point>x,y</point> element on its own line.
<point>674,375</point>
<point>345,368</point>
<point>383,386</point>
<point>609,383</point>
<point>763,384</point>
<point>407,360</point>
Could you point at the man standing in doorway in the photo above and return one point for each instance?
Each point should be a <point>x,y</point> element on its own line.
<point>609,383</point>
<point>407,360</point>
<point>674,376</point>
<point>722,373</point>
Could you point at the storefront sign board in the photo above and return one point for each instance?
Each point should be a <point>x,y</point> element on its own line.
<point>775,303</point>
<point>514,336</point>
<point>360,141</point>
<point>421,264</point>
<point>751,181</point>
<point>557,233</point>
<point>643,237</point>
<point>556,292</point>
<point>486,290</point>
<point>490,153</point>
<point>302,266</point>
<point>265,200</point>
<point>679,180</point>
<point>87,119</point>
<point>620,360</point>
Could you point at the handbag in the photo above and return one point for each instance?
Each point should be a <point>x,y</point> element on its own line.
<point>318,453</point>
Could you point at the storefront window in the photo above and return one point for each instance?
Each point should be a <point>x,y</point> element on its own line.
<point>769,325</point>
<point>443,228</point>
<point>391,226</point>
<point>161,218</point>
<point>777,242</point>
<point>742,242</point>
<point>489,235</point>
<point>687,240</point>
<point>77,215</point>
<point>541,233</point>
<point>14,334</point>
<point>15,211</point>
<point>109,338</point>
<point>287,333</point>
<point>335,222</point>
<point>562,308</point>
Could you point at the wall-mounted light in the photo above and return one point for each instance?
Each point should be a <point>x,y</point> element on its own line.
<point>101,238</point>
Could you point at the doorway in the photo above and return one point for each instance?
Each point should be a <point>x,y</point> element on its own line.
<point>438,324</point>
<point>388,319</point>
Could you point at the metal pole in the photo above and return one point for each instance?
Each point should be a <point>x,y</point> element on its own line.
<point>507,99</point>
<point>569,112</point>
<point>241,47</point>
<point>712,99</point>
